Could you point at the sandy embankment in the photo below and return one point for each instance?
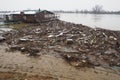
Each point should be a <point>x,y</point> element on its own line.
<point>48,65</point>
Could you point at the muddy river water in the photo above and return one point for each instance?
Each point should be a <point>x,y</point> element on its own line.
<point>107,21</point>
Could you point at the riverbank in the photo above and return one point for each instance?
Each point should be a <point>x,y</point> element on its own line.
<point>17,66</point>
<point>62,50</point>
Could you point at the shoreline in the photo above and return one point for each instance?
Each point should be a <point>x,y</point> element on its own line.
<point>62,50</point>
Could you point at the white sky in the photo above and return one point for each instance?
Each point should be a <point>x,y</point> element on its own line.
<point>58,4</point>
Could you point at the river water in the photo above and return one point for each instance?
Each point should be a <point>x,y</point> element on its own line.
<point>4,28</point>
<point>106,21</point>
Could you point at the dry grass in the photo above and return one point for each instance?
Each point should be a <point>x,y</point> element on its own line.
<point>19,25</point>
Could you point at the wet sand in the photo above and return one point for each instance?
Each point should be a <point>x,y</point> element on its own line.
<point>47,65</point>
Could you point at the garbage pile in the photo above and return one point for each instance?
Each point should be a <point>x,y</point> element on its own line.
<point>79,45</point>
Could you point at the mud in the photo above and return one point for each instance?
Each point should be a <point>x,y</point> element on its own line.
<point>17,66</point>
<point>19,76</point>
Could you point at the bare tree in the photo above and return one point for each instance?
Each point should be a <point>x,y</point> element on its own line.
<point>97,9</point>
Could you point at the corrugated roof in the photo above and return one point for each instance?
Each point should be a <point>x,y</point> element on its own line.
<point>29,12</point>
<point>12,13</point>
<point>44,11</point>
<point>17,12</point>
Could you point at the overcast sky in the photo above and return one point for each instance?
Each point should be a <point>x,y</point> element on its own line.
<point>58,4</point>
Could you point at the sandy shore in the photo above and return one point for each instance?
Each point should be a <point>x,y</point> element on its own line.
<point>47,65</point>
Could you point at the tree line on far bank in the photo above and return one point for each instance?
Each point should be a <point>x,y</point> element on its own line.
<point>97,9</point>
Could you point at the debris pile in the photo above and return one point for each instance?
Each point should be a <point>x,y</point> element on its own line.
<point>79,45</point>
<point>2,39</point>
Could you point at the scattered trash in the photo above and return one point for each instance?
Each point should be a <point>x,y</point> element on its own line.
<point>79,45</point>
<point>69,41</point>
<point>2,39</point>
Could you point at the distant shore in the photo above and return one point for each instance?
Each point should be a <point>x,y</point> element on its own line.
<point>88,12</point>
